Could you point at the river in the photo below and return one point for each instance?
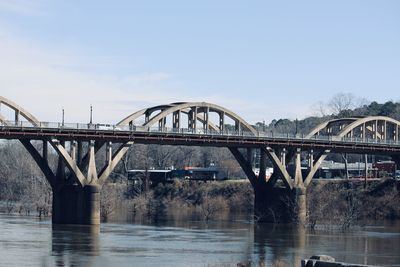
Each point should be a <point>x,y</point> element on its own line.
<point>27,241</point>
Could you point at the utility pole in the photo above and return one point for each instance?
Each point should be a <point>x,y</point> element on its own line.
<point>91,114</point>
<point>366,171</point>
<point>346,167</point>
<point>63,115</point>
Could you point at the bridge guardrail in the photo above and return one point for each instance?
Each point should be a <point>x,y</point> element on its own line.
<point>199,131</point>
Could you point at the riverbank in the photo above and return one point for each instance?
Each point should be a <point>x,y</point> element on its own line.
<point>341,204</point>
<point>337,203</point>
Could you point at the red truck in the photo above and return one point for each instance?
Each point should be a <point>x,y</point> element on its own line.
<point>384,169</point>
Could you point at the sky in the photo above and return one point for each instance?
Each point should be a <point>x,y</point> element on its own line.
<point>261,59</point>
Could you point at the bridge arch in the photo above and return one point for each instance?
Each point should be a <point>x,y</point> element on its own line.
<point>19,111</point>
<point>371,127</point>
<point>196,111</point>
<point>147,112</point>
<point>328,125</point>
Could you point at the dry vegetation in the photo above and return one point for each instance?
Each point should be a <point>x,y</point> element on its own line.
<point>346,204</point>
<point>207,200</point>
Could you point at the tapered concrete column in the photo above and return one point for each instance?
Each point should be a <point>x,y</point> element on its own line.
<point>73,204</point>
<point>298,177</point>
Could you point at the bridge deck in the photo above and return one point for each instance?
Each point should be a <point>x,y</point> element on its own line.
<point>205,139</point>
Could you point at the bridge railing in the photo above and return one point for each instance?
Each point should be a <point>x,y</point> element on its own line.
<point>199,131</point>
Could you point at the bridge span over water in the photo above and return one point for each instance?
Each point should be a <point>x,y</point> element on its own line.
<point>78,180</point>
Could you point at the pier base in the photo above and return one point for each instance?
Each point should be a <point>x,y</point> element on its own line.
<point>278,205</point>
<point>73,204</point>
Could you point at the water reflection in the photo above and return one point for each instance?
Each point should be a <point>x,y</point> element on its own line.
<point>278,244</point>
<point>28,242</point>
<point>74,245</point>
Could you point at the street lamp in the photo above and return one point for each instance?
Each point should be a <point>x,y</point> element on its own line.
<point>91,114</point>
<point>63,116</point>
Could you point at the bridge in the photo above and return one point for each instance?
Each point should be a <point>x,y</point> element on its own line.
<point>78,179</point>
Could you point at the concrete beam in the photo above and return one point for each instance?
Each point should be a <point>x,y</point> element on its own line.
<point>279,167</point>
<point>321,157</point>
<point>246,166</point>
<point>41,162</point>
<point>110,166</point>
<point>71,164</point>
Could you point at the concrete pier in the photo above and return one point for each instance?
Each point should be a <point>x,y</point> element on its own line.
<point>73,204</point>
<point>299,197</point>
<point>279,205</point>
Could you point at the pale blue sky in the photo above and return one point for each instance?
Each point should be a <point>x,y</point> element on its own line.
<point>262,59</point>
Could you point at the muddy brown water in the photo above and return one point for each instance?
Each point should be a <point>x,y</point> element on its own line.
<point>27,241</point>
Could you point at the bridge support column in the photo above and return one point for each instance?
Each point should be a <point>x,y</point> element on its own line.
<point>270,205</point>
<point>299,209</point>
<point>279,205</point>
<point>76,198</point>
<point>73,204</point>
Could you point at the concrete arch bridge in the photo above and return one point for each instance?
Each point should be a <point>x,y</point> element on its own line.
<point>78,178</point>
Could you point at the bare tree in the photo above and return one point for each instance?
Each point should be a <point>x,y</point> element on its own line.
<point>21,181</point>
<point>341,102</point>
<point>211,205</point>
<point>320,109</point>
<point>111,195</point>
<point>346,165</point>
<point>162,155</point>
